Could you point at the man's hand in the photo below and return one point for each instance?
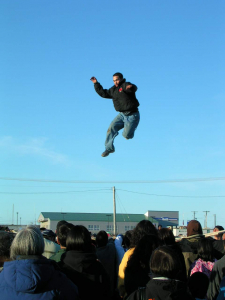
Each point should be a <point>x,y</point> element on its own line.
<point>129,86</point>
<point>93,79</point>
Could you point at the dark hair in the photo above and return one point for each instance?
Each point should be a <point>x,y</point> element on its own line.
<point>120,75</point>
<point>143,252</point>
<point>205,249</point>
<point>63,232</point>
<point>79,239</point>
<point>143,228</point>
<point>198,284</point>
<point>164,263</point>
<point>101,239</point>
<point>6,239</point>
<point>166,237</point>
<point>126,239</point>
<point>219,227</point>
<point>60,223</point>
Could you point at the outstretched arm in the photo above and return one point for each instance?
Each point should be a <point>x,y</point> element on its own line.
<point>131,88</point>
<point>99,89</point>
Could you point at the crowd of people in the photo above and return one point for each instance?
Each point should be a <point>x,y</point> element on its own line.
<point>145,263</point>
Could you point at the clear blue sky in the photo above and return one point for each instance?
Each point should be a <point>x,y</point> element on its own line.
<point>53,124</point>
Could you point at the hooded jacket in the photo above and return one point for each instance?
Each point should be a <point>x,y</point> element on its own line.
<point>87,272</point>
<point>124,100</point>
<point>34,278</point>
<point>164,289</point>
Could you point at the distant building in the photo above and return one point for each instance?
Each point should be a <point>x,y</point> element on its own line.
<point>95,222</point>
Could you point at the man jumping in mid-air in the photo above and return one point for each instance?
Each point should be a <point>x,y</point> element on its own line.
<point>125,101</point>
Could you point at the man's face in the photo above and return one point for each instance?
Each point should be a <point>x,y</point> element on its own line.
<point>116,80</point>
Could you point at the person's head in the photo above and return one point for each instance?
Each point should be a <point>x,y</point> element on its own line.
<point>117,78</point>
<point>198,284</point>
<point>79,239</point>
<point>28,241</point>
<point>49,235</point>
<point>205,249</point>
<point>143,228</point>
<point>193,228</point>
<point>142,252</point>
<point>164,263</point>
<point>60,223</point>
<point>6,239</point>
<point>220,235</point>
<point>166,237</point>
<point>159,227</point>
<point>127,239</point>
<point>63,233</point>
<point>101,239</point>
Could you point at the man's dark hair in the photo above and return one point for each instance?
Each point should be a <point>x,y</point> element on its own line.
<point>60,223</point>
<point>164,263</point>
<point>63,233</point>
<point>101,239</point>
<point>6,239</point>
<point>143,228</point>
<point>205,249</point>
<point>166,237</point>
<point>120,75</point>
<point>79,239</point>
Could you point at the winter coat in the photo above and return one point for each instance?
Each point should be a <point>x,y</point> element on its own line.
<point>189,249</point>
<point>35,278</point>
<point>121,273</point>
<point>107,256</point>
<point>221,295</point>
<point>123,99</point>
<point>164,289</point>
<point>87,272</point>
<point>217,274</point>
<point>57,257</point>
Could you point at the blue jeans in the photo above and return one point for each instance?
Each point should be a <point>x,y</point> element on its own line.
<point>129,123</point>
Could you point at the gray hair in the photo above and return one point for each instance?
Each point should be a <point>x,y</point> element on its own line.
<point>28,241</point>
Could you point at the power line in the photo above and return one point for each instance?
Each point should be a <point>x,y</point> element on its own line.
<point>117,181</point>
<point>67,192</point>
<point>172,196</point>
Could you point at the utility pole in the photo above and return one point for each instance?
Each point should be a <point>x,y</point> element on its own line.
<point>20,221</point>
<point>206,211</point>
<point>194,214</point>
<point>17,219</point>
<point>214,220</point>
<point>114,210</point>
<point>13,215</point>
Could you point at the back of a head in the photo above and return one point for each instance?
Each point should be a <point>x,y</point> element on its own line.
<point>60,223</point>
<point>101,239</point>
<point>164,263</point>
<point>205,249</point>
<point>143,228</point>
<point>166,237</point>
<point>28,241</point>
<point>6,239</point>
<point>198,284</point>
<point>193,228</point>
<point>63,233</point>
<point>143,251</point>
<point>79,239</point>
<point>127,239</point>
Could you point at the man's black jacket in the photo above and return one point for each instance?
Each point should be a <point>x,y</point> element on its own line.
<point>123,99</point>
